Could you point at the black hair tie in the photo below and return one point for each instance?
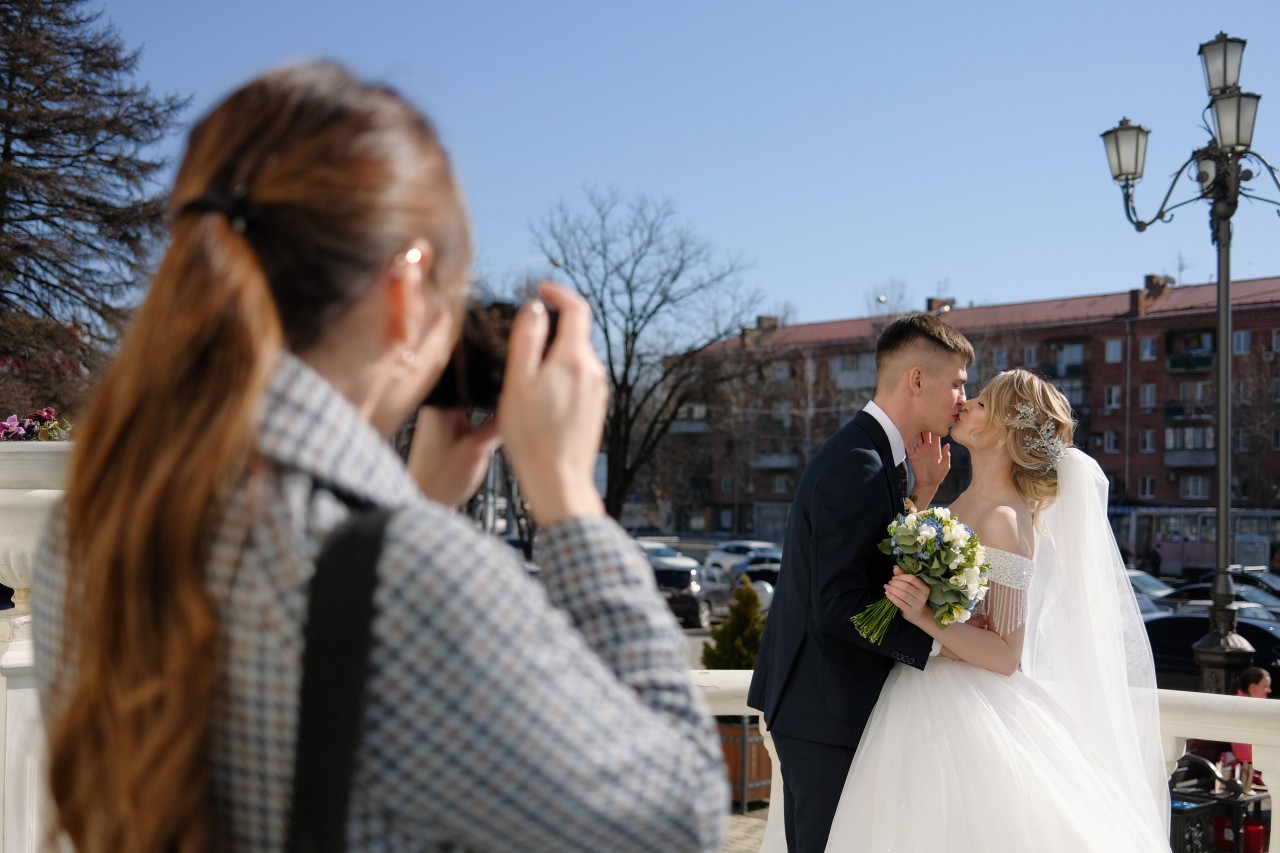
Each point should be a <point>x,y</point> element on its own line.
<point>235,207</point>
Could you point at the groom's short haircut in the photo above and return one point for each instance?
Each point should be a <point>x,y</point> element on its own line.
<point>919,330</point>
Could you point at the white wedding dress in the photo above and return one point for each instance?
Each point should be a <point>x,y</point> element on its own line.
<point>1064,755</point>
<point>961,759</point>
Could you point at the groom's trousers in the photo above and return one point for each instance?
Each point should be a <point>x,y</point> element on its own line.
<point>813,776</point>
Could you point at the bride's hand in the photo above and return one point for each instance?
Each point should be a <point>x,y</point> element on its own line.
<point>930,462</point>
<point>911,596</point>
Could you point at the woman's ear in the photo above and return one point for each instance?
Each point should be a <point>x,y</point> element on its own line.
<point>408,305</point>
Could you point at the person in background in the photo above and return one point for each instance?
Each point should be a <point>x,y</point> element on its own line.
<point>308,300</point>
<point>1256,682</point>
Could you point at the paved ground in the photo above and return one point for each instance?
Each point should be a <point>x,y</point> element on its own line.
<point>745,831</point>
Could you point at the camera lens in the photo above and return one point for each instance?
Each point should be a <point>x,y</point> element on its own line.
<point>473,377</point>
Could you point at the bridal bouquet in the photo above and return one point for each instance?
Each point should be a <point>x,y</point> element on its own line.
<point>934,546</point>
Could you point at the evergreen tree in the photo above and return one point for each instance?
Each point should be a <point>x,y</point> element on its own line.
<point>736,642</point>
<point>79,209</point>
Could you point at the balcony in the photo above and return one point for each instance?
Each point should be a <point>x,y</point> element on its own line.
<point>1190,411</point>
<point>775,461</point>
<point>1190,362</point>
<point>1190,458</point>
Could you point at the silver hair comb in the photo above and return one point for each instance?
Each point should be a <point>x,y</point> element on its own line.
<point>1042,437</point>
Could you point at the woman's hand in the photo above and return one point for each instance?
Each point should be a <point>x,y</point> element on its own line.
<point>930,461</point>
<point>551,411</point>
<point>449,456</point>
<point>911,596</point>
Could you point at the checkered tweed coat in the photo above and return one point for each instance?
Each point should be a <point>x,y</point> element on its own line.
<point>501,713</point>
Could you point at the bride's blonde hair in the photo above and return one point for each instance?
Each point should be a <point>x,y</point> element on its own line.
<point>1036,437</point>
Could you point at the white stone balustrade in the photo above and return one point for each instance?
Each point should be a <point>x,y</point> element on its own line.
<point>1183,715</point>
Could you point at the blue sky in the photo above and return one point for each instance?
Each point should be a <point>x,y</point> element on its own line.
<point>835,148</point>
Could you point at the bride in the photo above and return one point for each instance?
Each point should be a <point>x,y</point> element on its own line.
<point>1040,732</point>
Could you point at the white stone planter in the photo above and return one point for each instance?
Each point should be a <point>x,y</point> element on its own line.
<point>32,477</point>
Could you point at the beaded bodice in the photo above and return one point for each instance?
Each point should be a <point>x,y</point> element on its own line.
<point>1008,579</point>
<point>1007,569</point>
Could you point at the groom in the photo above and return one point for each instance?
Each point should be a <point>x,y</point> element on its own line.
<point>816,679</point>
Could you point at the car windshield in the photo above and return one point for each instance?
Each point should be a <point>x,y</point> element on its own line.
<point>673,578</point>
<point>661,551</point>
<point>1270,581</point>
<point>1149,584</point>
<point>1257,595</point>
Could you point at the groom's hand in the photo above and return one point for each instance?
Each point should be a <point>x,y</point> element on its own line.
<point>930,461</point>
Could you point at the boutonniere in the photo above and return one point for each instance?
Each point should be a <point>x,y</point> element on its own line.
<point>909,504</point>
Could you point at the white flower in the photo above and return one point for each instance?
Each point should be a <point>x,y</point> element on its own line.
<point>911,521</point>
<point>942,512</point>
<point>962,616</point>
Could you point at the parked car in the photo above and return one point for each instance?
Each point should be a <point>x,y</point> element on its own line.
<point>764,580</point>
<point>1147,604</point>
<point>662,556</point>
<point>1173,634</point>
<point>735,551</point>
<point>765,558</point>
<point>1250,576</point>
<point>1148,584</point>
<point>1244,594</point>
<point>1243,608</point>
<point>696,595</point>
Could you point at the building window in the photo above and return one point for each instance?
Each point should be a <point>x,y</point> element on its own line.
<point>1188,438</point>
<point>1147,349</point>
<point>1275,340</point>
<point>1194,487</point>
<point>1275,390</point>
<point>1275,438</point>
<point>1070,355</point>
<point>781,484</point>
<point>1242,440</point>
<point>1147,441</point>
<point>1194,392</point>
<point>726,483</point>
<point>1147,395</point>
<point>1031,355</point>
<point>782,412</point>
<point>1111,441</point>
<point>1072,389</point>
<point>1241,342</point>
<point>1146,488</point>
<point>1111,396</point>
<point>1000,359</point>
<point>1114,351</point>
<point>1192,343</point>
<point>782,370</point>
<point>1242,391</point>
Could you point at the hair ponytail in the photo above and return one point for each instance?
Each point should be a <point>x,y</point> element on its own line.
<point>169,431</point>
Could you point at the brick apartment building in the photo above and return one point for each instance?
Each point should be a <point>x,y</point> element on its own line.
<point>1137,367</point>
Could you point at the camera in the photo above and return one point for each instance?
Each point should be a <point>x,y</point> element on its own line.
<point>473,377</point>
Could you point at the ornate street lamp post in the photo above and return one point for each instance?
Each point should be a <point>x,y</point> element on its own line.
<point>1219,171</point>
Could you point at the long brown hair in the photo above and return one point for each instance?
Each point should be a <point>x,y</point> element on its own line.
<point>292,196</point>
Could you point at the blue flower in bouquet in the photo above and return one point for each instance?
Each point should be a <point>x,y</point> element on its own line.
<point>944,553</point>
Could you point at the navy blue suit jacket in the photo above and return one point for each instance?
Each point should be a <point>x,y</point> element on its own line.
<point>816,678</point>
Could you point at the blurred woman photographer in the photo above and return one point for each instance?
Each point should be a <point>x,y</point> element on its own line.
<point>307,302</point>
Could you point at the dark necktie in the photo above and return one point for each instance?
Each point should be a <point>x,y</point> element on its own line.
<point>902,479</point>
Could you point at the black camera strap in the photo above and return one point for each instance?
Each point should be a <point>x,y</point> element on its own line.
<point>338,636</point>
